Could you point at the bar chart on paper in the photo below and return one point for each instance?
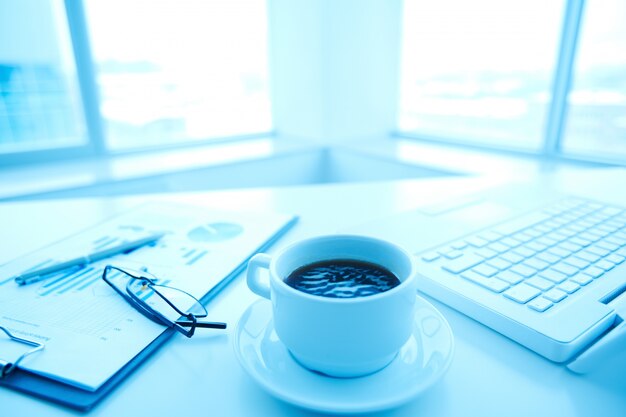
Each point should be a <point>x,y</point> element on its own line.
<point>198,249</point>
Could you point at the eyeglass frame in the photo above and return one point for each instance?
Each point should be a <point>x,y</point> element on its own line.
<point>152,314</point>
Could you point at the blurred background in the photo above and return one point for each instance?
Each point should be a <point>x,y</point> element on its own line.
<point>99,94</point>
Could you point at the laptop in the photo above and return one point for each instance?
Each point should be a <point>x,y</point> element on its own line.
<point>542,262</point>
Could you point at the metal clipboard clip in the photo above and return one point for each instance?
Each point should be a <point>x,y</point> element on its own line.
<point>7,367</point>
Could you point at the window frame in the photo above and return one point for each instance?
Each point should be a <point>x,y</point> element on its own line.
<point>95,145</point>
<point>80,48</point>
<point>556,115</point>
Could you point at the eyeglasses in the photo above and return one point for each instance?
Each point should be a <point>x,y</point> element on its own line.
<point>160,303</point>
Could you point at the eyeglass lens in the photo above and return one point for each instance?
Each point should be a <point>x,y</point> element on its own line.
<point>181,302</point>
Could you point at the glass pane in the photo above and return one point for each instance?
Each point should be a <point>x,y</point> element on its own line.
<point>180,70</point>
<point>40,105</point>
<point>479,71</point>
<point>596,122</point>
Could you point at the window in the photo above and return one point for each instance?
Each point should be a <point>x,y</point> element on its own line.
<point>596,122</point>
<point>479,70</point>
<point>40,106</point>
<point>546,77</point>
<point>170,71</point>
<point>101,76</point>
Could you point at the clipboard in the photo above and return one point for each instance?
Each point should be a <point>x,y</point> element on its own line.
<point>68,395</point>
<point>82,400</point>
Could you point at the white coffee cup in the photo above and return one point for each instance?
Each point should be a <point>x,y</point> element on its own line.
<point>341,337</point>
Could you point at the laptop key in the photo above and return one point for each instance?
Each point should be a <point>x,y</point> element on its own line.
<point>605,265</point>
<point>546,241</point>
<point>543,228</point>
<point>572,247</point>
<point>536,246</point>
<point>533,232</point>
<point>486,253</point>
<point>538,282</point>
<point>510,242</point>
<point>524,270</point>
<point>555,295</point>
<point>540,304</point>
<point>430,256</point>
<point>462,263</point>
<point>569,287</point>
<point>510,277</point>
<point>485,270</point>
<point>616,259</point>
<point>567,232</point>
<point>548,257</point>
<point>606,228</point>
<point>537,264</point>
<point>576,262</point>
<point>490,236</point>
<point>554,276</point>
<point>576,228</point>
<point>498,247</point>
<point>552,224</point>
<point>453,254</point>
<point>477,241</point>
<point>578,241</point>
<point>492,284</point>
<point>598,250</point>
<point>594,272</point>
<point>588,224</point>
<point>521,293</point>
<point>565,268</point>
<point>459,245</point>
<point>615,240</point>
<point>588,256</point>
<point>607,245</point>
<point>558,236</point>
<point>514,258</point>
<point>524,251</point>
<point>561,253</point>
<point>611,211</point>
<point>499,263</point>
<point>618,221</point>
<point>594,220</point>
<point>600,232</point>
<point>522,237</point>
<point>588,235</point>
<point>581,279</point>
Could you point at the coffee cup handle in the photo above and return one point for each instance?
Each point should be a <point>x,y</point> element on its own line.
<point>258,261</point>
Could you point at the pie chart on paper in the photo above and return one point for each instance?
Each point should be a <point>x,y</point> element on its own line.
<point>215,232</point>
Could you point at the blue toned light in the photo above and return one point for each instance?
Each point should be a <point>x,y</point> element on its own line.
<point>596,122</point>
<point>40,106</point>
<point>479,71</point>
<point>172,71</point>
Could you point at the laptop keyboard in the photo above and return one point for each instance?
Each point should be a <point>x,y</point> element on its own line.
<point>542,258</point>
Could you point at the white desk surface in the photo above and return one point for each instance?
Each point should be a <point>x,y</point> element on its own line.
<point>490,375</point>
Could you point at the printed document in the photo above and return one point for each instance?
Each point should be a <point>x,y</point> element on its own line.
<point>89,330</point>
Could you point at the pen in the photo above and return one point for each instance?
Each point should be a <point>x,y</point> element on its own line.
<point>38,275</point>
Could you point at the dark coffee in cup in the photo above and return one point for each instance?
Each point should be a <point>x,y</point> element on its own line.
<point>342,278</point>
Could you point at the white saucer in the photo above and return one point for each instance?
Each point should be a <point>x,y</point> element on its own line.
<point>421,362</point>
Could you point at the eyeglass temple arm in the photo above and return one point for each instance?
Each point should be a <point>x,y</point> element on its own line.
<point>203,324</point>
